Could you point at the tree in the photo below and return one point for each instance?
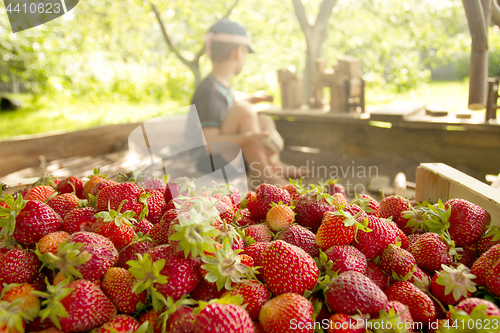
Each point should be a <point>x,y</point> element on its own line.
<point>315,37</point>
<point>194,63</point>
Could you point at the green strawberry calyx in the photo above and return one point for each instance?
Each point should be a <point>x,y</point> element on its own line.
<point>456,281</point>
<point>326,275</point>
<point>148,274</point>
<point>53,308</point>
<point>364,203</point>
<point>96,173</point>
<point>493,232</point>
<point>8,215</point>
<point>227,299</point>
<point>67,260</point>
<point>299,187</point>
<point>117,217</point>
<point>195,234</point>
<point>226,268</point>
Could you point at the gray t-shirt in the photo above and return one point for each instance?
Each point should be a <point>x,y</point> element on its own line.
<point>212,101</point>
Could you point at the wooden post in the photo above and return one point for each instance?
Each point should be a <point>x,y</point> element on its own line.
<point>290,87</point>
<point>492,100</point>
<point>478,13</point>
<point>318,98</point>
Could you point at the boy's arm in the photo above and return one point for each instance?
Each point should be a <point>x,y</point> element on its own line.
<point>212,134</point>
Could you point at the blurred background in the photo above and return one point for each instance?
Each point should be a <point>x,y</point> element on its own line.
<point>108,62</point>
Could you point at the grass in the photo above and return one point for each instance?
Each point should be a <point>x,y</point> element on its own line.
<point>50,114</point>
<point>47,116</point>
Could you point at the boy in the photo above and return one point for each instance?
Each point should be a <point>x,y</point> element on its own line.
<point>223,119</point>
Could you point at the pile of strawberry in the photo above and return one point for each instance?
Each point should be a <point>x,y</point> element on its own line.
<point>142,255</point>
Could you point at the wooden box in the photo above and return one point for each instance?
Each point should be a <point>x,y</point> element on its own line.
<point>439,181</point>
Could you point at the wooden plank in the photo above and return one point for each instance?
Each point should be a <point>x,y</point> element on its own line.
<point>396,110</point>
<point>24,151</point>
<point>440,181</point>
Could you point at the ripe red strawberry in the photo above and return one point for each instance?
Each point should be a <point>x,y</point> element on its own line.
<point>80,299</point>
<point>254,294</point>
<point>258,233</point>
<point>333,187</point>
<point>217,317</point>
<point>119,324</point>
<point>398,310</point>
<point>268,194</point>
<point>110,198</point>
<point>368,204</point>
<point>301,237</point>
<point>117,285</point>
<point>246,259</point>
<point>452,285</point>
<point>80,219</point>
<point>468,256</point>
<point>256,252</point>
<point>64,203</point>
<point>346,258</point>
<point>50,242</point>
<point>353,293</point>
<point>468,305</point>
<point>279,217</point>
<point>420,305</point>
<point>343,323</point>
<point>398,263</point>
<point>372,243</point>
<point>181,321</point>
<point>377,275</point>
<point>490,238</point>
<point>71,184</point>
<point>311,206</point>
<point>137,247</point>
<point>493,279</point>
<point>339,227</point>
<point>467,221</point>
<point>100,252</point>
<point>179,186</point>
<point>292,190</point>
<point>115,226</point>
<point>288,268</point>
<point>421,280</point>
<point>483,264</point>
<point>101,186</point>
<point>243,218</point>
<point>18,266</point>
<point>205,291</point>
<point>287,312</point>
<point>143,227</point>
<point>40,193</point>
<point>35,220</point>
<point>156,206</point>
<point>153,317</point>
<point>257,209</point>
<point>430,252</point>
<point>159,232</point>
<point>394,206</point>
<point>182,274</point>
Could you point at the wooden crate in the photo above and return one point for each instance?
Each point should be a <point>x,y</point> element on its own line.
<point>439,181</point>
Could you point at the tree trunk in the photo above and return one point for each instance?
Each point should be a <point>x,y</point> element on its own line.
<point>315,37</point>
<point>478,14</point>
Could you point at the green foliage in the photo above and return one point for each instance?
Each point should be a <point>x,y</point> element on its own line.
<point>114,50</point>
